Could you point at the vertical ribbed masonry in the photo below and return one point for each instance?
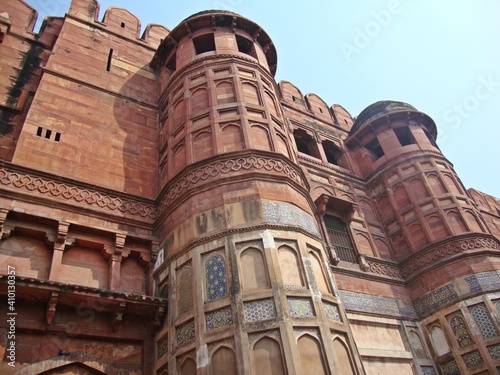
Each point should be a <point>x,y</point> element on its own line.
<point>439,240</point>
<point>417,191</point>
<point>244,268</point>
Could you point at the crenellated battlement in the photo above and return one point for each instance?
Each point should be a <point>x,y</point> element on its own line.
<point>118,21</point>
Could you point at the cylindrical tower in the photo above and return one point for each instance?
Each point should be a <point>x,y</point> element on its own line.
<point>438,238</point>
<point>244,270</point>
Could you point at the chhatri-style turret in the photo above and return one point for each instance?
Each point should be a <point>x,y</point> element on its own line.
<point>243,258</point>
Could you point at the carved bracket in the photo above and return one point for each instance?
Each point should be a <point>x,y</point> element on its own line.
<point>335,257</point>
<point>363,264</point>
<point>50,312</point>
<point>6,231</point>
<point>118,316</point>
<point>233,25</point>
<point>159,315</point>
<point>3,228</point>
<point>321,203</point>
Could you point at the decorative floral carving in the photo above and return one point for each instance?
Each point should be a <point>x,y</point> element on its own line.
<point>237,165</point>
<point>76,194</point>
<point>435,254</point>
<point>384,269</point>
<point>432,255</point>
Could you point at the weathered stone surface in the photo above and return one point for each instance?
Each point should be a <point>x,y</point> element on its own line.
<point>167,207</point>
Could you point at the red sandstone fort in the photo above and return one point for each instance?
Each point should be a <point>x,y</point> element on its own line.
<point>167,207</point>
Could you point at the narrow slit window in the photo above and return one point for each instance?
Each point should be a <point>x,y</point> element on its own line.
<point>48,134</point>
<point>57,137</point>
<point>39,131</point>
<point>123,25</point>
<point>110,58</point>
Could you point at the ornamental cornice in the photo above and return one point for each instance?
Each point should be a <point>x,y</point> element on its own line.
<point>71,192</point>
<point>432,255</point>
<point>229,165</point>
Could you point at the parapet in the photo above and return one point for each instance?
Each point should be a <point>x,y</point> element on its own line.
<point>119,21</point>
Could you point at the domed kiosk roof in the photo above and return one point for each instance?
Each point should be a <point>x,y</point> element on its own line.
<point>385,107</point>
<point>214,19</point>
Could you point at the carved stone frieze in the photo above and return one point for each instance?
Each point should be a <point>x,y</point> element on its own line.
<point>432,255</point>
<point>457,246</point>
<point>74,194</point>
<point>232,166</point>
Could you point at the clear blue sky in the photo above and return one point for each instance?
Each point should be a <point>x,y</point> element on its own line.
<point>443,57</point>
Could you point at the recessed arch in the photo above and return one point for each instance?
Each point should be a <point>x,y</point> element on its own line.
<point>456,222</point>
<point>223,361</point>
<point>417,189</point>
<point>250,93</point>
<point>401,197</point>
<point>318,272</point>
<point>199,100</point>
<point>281,145</point>
<point>74,359</point>
<point>437,226</point>
<point>451,184</point>
<point>232,139</point>
<point>417,344</point>
<point>253,269</point>
<point>260,138</point>
<point>436,184</point>
<point>267,357</point>
<point>438,340</point>
<point>291,272</point>
<point>472,221</point>
<point>179,113</point>
<point>311,356</point>
<point>202,145</point>
<point>344,360</point>
<point>225,92</point>
<point>417,235</point>
<point>188,366</point>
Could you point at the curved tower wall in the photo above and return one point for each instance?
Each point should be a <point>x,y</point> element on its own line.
<point>244,268</point>
<point>442,247</point>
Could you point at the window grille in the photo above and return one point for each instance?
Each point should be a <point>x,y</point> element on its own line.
<point>338,235</point>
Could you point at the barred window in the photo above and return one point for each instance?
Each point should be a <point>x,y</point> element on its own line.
<point>339,237</point>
